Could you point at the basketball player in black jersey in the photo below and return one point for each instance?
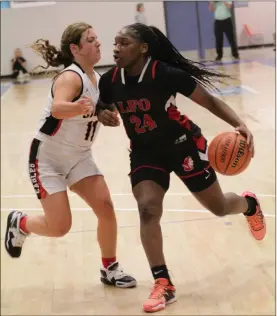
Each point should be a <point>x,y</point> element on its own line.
<point>142,88</point>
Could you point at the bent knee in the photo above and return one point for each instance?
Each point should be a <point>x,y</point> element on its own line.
<point>60,231</point>
<point>150,209</point>
<point>219,210</point>
<point>104,209</point>
<point>107,205</point>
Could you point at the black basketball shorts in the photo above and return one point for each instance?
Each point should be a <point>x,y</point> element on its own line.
<point>187,158</point>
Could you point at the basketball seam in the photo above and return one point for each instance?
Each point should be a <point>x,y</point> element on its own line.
<point>215,155</point>
<point>249,153</point>
<point>235,143</point>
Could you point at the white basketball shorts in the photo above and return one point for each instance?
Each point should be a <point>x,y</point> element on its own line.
<point>54,167</point>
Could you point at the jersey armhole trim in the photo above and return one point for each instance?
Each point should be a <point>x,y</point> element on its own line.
<point>82,88</point>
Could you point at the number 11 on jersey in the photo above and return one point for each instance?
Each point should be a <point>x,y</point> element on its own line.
<point>91,128</point>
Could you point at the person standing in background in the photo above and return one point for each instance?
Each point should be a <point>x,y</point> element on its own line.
<point>140,15</point>
<point>223,24</point>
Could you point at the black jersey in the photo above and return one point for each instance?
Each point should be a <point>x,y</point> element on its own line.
<point>146,103</point>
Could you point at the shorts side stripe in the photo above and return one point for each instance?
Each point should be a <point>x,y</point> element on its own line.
<point>195,174</point>
<point>33,169</point>
<point>151,167</point>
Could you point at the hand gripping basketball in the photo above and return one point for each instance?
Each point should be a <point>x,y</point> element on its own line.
<point>229,152</point>
<point>243,130</point>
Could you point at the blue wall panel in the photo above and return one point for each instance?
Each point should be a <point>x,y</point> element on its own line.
<point>182,24</point>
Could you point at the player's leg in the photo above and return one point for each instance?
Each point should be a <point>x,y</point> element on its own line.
<point>229,32</point>
<point>149,196</point>
<point>218,31</point>
<point>150,181</point>
<point>230,203</point>
<point>50,188</point>
<point>194,170</point>
<point>86,180</point>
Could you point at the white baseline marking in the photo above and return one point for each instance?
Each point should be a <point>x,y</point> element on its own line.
<point>25,196</point>
<point>250,89</point>
<point>9,86</point>
<point>7,134</point>
<point>3,96</point>
<point>5,209</point>
<point>23,134</point>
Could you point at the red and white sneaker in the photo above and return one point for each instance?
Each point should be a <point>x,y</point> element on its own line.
<point>15,237</point>
<point>161,294</point>
<point>256,222</point>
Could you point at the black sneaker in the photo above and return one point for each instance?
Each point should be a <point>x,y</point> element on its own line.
<point>15,237</point>
<point>115,276</point>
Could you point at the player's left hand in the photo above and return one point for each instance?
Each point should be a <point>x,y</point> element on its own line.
<point>109,118</point>
<point>244,131</point>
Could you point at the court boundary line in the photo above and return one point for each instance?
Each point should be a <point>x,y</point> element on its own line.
<point>259,61</point>
<point>4,94</point>
<point>130,209</point>
<point>25,196</point>
<point>89,230</point>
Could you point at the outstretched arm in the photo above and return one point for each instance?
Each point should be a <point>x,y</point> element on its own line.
<point>221,110</point>
<point>183,82</point>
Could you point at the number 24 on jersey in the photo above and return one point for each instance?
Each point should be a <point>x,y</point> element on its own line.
<point>143,124</point>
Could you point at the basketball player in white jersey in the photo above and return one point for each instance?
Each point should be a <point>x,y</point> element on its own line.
<point>60,153</point>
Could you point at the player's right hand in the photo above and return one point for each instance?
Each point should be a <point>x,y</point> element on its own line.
<point>109,118</point>
<point>86,105</point>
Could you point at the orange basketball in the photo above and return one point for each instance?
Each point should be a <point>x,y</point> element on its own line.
<point>229,153</point>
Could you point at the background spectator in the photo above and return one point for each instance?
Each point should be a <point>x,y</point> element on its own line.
<point>223,24</point>
<point>140,15</point>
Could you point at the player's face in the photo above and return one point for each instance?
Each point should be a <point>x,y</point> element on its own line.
<point>127,50</point>
<point>89,47</point>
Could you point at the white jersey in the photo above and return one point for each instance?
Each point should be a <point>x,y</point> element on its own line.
<point>79,131</point>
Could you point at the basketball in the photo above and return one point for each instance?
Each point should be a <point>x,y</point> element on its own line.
<point>229,153</point>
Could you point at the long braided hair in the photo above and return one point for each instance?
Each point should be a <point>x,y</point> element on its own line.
<point>160,48</point>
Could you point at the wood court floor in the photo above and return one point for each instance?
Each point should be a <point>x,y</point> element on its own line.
<point>217,267</point>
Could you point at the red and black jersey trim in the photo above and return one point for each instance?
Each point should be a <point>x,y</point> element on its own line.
<point>189,126</point>
<point>153,71</point>
<point>51,126</point>
<point>114,74</point>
